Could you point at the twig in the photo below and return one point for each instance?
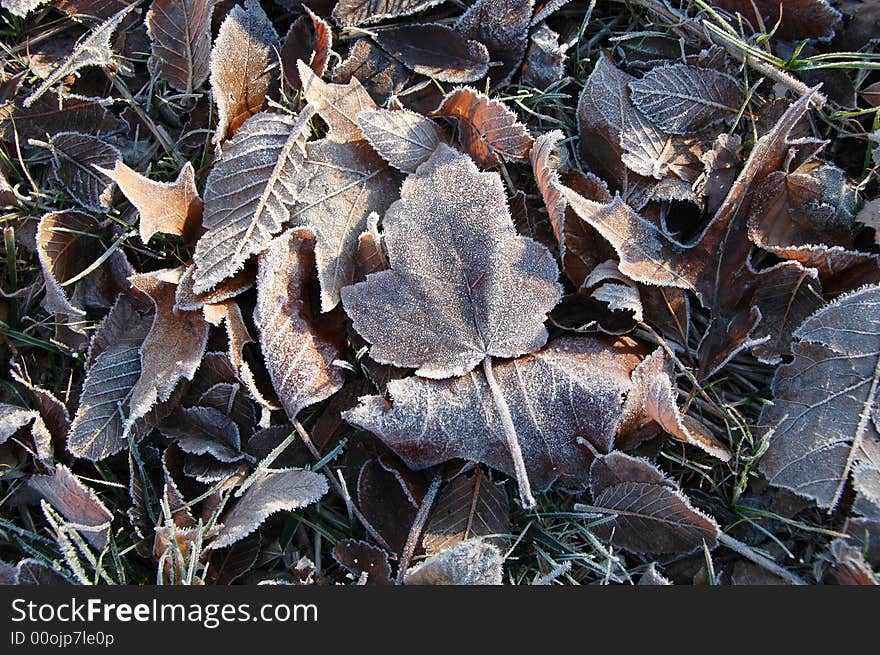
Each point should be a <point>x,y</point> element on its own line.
<point>764,562</point>
<point>418,525</point>
<point>519,465</point>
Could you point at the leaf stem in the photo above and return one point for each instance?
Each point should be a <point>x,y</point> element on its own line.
<point>418,526</point>
<point>519,465</point>
<point>764,562</point>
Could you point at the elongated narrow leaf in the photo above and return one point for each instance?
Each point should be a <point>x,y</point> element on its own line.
<point>822,427</point>
<point>488,130</point>
<point>167,207</point>
<point>436,51</point>
<point>280,491</point>
<point>242,66</point>
<point>93,50</point>
<point>363,12</point>
<point>180,31</point>
<point>77,160</point>
<point>403,138</point>
<point>681,99</point>
<point>299,349</point>
<point>249,194</point>
<point>467,287</point>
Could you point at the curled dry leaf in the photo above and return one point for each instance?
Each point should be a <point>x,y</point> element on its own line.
<point>76,503</point>
<point>469,506</point>
<point>309,39</point>
<point>113,370</point>
<point>469,287</point>
<point>651,515</point>
<point>682,99</point>
<point>243,66</point>
<point>299,349</point>
<point>204,430</point>
<point>249,194</point>
<point>93,50</point>
<point>403,138</point>
<point>799,19</point>
<point>545,58</point>
<point>503,27</point>
<point>277,491</point>
<point>173,348</point>
<point>822,425</point>
<point>188,300</point>
<point>13,418</point>
<point>180,35</point>
<point>436,51</point>
<point>571,392</point>
<point>348,13</point>
<point>77,164</point>
<point>488,131</point>
<point>471,562</point>
<point>167,207</point>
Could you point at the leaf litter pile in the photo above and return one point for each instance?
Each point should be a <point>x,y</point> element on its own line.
<point>440,292</point>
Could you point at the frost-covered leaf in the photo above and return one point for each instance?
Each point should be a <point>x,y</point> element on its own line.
<point>822,427</point>
<point>309,39</point>
<point>545,58</point>
<point>204,430</point>
<point>299,345</point>
<point>338,104</point>
<point>76,503</point>
<point>249,194</point>
<point>77,160</point>
<point>94,50</point>
<point>503,27</point>
<point>380,74</point>
<point>98,9</point>
<point>682,99</point>
<point>360,558</point>
<point>50,115</point>
<point>653,578</point>
<point>403,138</point>
<point>243,66</point>
<point>21,8</point>
<point>32,572</point>
<point>649,152</point>
<point>114,368</point>
<point>13,418</point>
<point>190,301</point>
<point>471,562</point>
<point>436,51</point>
<point>573,390</point>
<point>651,515</point>
<point>173,348</point>
<point>277,491</point>
<point>167,207</point>
<point>469,506</point>
<point>798,20</point>
<point>348,13</point>
<point>467,287</point>
<point>489,131</point>
<point>180,34</point>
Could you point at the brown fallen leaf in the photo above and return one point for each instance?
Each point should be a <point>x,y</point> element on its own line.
<point>488,131</point>
<point>436,51</point>
<point>403,138</point>
<point>243,66</point>
<point>204,430</point>
<point>503,27</point>
<point>309,39</point>
<point>167,207</point>
<point>380,74</point>
<point>77,161</point>
<point>299,345</point>
<point>180,36</point>
<point>545,58</point>
<point>798,19</point>
<point>50,115</point>
<point>188,300</point>
<point>348,13</point>
<point>362,558</point>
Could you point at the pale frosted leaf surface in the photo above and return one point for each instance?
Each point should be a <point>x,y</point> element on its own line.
<point>436,51</point>
<point>167,207</point>
<point>94,50</point>
<point>21,8</point>
<point>651,514</point>
<point>188,300</point>
<point>299,345</point>
<point>338,104</point>
<point>546,161</point>
<point>243,66</point>
<point>619,295</point>
<point>204,430</point>
<point>249,194</point>
<point>821,427</point>
<point>114,368</point>
<point>347,182</point>
<point>75,502</point>
<point>49,115</point>
<point>348,13</point>
<point>13,418</point>
<point>545,58</point>
<point>681,99</point>
<point>650,152</point>
<point>76,159</point>
<point>180,34</point>
<point>503,27</point>
<point>403,138</point>
<point>466,288</point>
<point>281,491</point>
<point>489,131</point>
<point>469,506</point>
<point>173,348</point>
<point>653,578</point>
<point>573,389</point>
<point>471,562</point>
